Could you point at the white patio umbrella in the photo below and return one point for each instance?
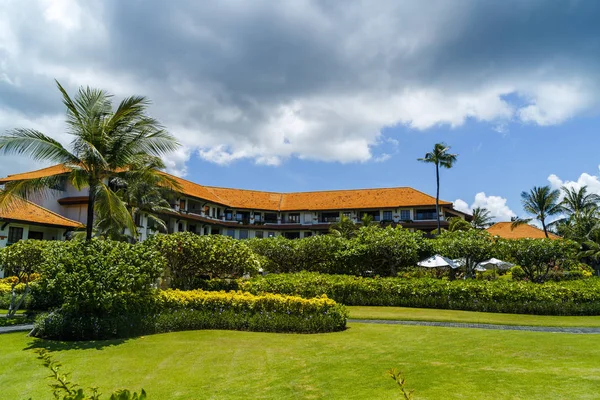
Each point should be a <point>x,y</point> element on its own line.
<point>495,263</point>
<point>437,261</point>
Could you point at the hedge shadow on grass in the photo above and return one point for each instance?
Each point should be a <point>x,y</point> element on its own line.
<point>59,345</point>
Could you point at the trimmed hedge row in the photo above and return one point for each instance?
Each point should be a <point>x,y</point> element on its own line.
<point>550,298</point>
<point>175,310</point>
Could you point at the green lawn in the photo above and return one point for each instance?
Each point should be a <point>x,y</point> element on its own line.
<point>439,363</point>
<point>429,314</point>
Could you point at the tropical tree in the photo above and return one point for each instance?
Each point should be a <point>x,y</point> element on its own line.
<point>106,144</point>
<point>345,228</point>
<point>578,201</point>
<point>482,218</point>
<point>458,224</point>
<point>541,202</point>
<point>441,157</point>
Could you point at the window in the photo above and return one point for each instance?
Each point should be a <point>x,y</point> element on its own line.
<point>239,216</point>
<point>307,234</point>
<point>291,235</point>
<point>214,231</point>
<point>257,217</point>
<point>182,205</point>
<point>405,215</point>
<point>330,217</point>
<point>180,227</point>
<point>271,234</point>
<point>231,233</point>
<point>14,235</point>
<point>271,218</point>
<point>35,235</point>
<point>259,234</point>
<point>387,215</point>
<point>347,214</point>
<point>425,214</point>
<point>192,228</point>
<point>243,234</point>
<point>137,219</point>
<point>228,215</point>
<point>294,218</point>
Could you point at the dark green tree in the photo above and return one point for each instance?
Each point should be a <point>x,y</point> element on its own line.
<point>440,157</point>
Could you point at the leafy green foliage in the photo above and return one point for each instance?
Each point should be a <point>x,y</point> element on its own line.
<point>22,260</point>
<point>175,310</point>
<point>400,380</point>
<point>537,256</point>
<point>96,278</point>
<point>383,251</point>
<point>191,258</point>
<point>64,389</point>
<point>471,245</point>
<point>576,297</point>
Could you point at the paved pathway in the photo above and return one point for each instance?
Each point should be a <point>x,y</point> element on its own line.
<point>554,329</point>
<point>16,328</point>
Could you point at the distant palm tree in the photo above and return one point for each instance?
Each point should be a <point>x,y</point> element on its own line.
<point>345,228</point>
<point>106,144</point>
<point>458,224</point>
<point>482,218</point>
<point>441,158</point>
<point>578,201</point>
<point>541,202</point>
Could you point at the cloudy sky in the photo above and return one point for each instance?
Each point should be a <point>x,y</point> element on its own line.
<point>306,95</point>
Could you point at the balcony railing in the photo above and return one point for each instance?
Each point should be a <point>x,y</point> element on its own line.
<point>330,219</point>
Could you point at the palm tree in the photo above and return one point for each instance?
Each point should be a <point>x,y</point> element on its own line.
<point>482,218</point>
<point>345,228</point>
<point>578,201</point>
<point>541,202</point>
<point>458,224</point>
<point>441,158</point>
<point>106,144</point>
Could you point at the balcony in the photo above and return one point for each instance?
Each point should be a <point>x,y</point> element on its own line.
<point>426,217</point>
<point>330,219</point>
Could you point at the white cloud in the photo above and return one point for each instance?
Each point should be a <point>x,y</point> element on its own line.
<point>591,181</point>
<point>308,80</point>
<point>495,204</point>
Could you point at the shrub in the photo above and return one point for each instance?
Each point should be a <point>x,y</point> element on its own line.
<point>280,255</point>
<point>473,246</point>
<point>383,251</point>
<point>96,278</point>
<point>175,310</point>
<point>538,256</point>
<point>580,297</point>
<point>191,258</point>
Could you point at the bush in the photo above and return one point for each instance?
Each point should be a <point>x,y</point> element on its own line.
<point>537,257</point>
<point>551,298</point>
<point>100,277</point>
<point>175,310</point>
<point>191,258</point>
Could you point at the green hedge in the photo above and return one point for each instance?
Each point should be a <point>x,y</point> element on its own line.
<point>175,310</point>
<point>551,298</point>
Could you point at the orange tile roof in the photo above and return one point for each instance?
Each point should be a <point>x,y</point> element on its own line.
<point>242,198</point>
<point>357,199</point>
<point>505,231</point>
<point>40,173</point>
<point>259,200</point>
<point>27,211</point>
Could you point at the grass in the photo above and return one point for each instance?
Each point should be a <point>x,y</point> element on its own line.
<point>429,314</point>
<point>439,363</point>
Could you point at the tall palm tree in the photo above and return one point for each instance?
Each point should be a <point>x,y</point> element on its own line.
<point>541,202</point>
<point>106,144</point>
<point>441,158</point>
<point>578,201</point>
<point>482,218</point>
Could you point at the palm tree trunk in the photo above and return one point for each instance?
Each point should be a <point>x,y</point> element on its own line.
<point>545,229</point>
<point>437,198</point>
<point>90,213</point>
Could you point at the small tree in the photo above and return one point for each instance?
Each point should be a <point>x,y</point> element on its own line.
<point>383,251</point>
<point>21,260</point>
<point>537,256</point>
<point>472,245</point>
<point>346,228</point>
